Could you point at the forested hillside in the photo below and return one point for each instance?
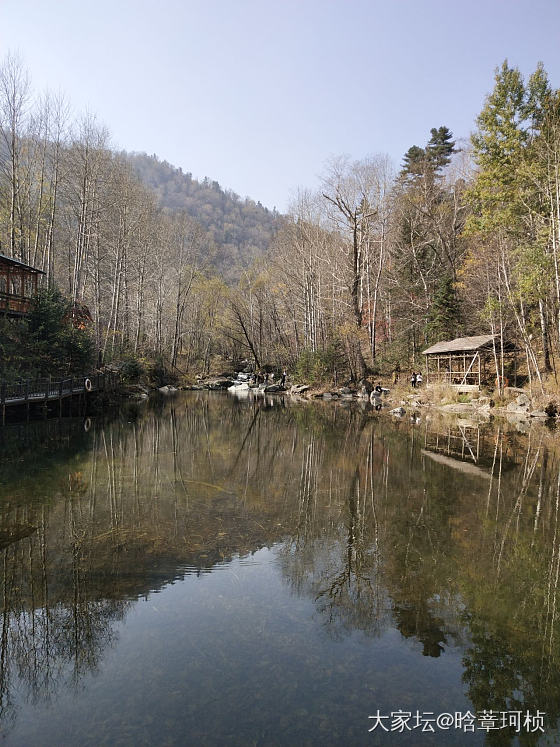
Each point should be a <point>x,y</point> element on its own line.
<point>240,229</point>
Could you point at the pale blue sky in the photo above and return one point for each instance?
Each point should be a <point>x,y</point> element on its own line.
<point>258,94</point>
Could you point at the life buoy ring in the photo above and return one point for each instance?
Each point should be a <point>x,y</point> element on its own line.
<point>87,385</point>
<point>87,424</point>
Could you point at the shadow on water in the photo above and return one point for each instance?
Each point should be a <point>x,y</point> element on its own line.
<point>439,540</point>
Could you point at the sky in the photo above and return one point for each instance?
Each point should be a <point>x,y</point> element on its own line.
<point>260,94</point>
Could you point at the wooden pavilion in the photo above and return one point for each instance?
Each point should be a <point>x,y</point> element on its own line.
<point>18,285</point>
<point>467,362</point>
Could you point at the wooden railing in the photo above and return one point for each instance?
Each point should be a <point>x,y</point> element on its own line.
<point>45,390</point>
<point>11,303</point>
<point>452,377</point>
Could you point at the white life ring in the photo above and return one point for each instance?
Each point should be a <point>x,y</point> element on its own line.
<point>87,385</point>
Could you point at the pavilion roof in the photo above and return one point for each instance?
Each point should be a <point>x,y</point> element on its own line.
<point>461,345</point>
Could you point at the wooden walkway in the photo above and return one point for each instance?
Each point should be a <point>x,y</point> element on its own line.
<point>45,391</point>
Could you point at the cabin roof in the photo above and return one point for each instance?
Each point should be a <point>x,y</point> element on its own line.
<point>16,263</point>
<point>461,345</point>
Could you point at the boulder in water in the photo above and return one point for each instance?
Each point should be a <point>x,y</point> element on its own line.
<point>238,386</point>
<point>219,383</point>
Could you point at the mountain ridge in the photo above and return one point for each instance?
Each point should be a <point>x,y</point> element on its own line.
<point>240,228</point>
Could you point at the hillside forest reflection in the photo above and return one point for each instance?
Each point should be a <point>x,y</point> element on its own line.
<point>444,535</point>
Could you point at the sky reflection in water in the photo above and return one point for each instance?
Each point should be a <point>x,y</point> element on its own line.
<point>210,571</point>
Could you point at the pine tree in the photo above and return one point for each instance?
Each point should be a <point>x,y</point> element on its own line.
<point>427,246</point>
<point>440,148</point>
<point>445,313</point>
<point>414,161</point>
<point>431,159</point>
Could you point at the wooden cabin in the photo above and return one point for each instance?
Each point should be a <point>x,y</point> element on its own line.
<point>467,362</point>
<point>18,285</point>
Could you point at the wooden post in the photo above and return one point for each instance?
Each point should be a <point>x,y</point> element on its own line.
<point>8,287</point>
<point>47,395</point>
<point>477,443</point>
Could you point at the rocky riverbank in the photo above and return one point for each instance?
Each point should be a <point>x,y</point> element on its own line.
<point>515,404</point>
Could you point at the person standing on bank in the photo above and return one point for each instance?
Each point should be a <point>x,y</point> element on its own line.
<point>413,380</point>
<point>418,379</point>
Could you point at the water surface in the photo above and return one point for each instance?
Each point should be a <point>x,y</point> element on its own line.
<point>214,571</point>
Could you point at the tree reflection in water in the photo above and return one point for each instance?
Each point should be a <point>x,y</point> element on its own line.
<point>385,525</point>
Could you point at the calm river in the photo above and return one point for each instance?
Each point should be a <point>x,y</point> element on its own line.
<point>207,570</point>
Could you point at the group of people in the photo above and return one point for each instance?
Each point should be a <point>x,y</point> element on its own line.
<point>263,377</point>
<point>416,379</point>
